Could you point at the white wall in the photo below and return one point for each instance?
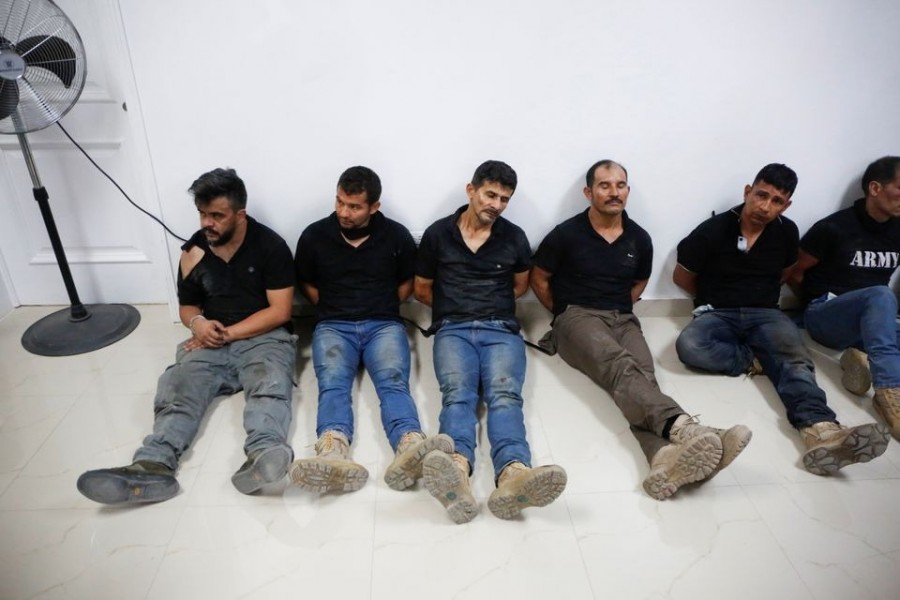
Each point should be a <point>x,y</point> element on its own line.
<point>6,303</point>
<point>693,97</point>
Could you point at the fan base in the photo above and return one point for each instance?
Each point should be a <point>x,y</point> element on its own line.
<point>59,334</point>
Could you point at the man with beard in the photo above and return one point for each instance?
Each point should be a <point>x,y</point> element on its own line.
<point>356,267</point>
<point>471,267</point>
<point>733,264</point>
<point>235,294</point>
<point>844,270</point>
<point>589,271</point>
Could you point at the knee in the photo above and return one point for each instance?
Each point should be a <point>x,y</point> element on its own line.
<point>687,346</point>
<point>883,297</point>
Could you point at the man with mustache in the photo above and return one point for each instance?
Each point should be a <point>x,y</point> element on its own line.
<point>235,294</point>
<point>733,264</point>
<point>471,267</point>
<point>589,271</point>
<point>356,266</point>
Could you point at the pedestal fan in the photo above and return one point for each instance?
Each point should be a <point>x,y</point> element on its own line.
<point>42,72</point>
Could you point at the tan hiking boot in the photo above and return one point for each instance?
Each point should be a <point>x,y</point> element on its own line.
<point>676,465</point>
<point>856,377</point>
<point>887,404</point>
<point>734,439</point>
<point>831,446</point>
<point>446,477</point>
<point>520,487</point>
<point>406,468</point>
<point>331,470</point>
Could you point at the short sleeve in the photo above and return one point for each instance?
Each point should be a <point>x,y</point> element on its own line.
<point>304,259</point>
<point>549,252</point>
<point>818,240</point>
<point>645,260</point>
<point>426,256</point>
<point>278,268</point>
<point>693,251</point>
<point>406,255</point>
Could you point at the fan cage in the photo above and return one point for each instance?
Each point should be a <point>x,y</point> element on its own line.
<point>43,98</point>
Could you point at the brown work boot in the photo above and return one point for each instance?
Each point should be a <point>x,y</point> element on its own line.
<point>856,377</point>
<point>446,477</point>
<point>406,468</point>
<point>676,465</point>
<point>520,487</point>
<point>734,439</point>
<point>887,404</point>
<point>331,470</point>
<point>831,446</point>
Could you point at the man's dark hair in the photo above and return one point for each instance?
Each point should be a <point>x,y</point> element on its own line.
<point>357,180</point>
<point>495,171</point>
<point>220,182</point>
<point>589,178</point>
<point>778,175</point>
<point>883,170</point>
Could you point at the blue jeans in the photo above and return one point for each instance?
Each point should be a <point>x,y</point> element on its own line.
<point>483,356</point>
<point>262,366</point>
<point>382,347</point>
<point>726,340</point>
<point>864,319</point>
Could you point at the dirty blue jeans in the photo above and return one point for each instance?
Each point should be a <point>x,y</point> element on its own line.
<point>382,346</point>
<point>865,319</point>
<point>486,357</point>
<point>725,340</point>
<point>262,366</point>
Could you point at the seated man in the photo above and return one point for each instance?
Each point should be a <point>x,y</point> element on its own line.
<point>845,265</point>
<point>734,264</point>
<point>235,291</point>
<point>471,267</point>
<point>356,266</point>
<point>589,271</point>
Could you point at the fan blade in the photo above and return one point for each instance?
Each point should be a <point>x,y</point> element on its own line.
<point>9,98</point>
<point>51,53</point>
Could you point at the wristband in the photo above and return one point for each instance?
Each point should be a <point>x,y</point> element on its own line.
<point>191,322</point>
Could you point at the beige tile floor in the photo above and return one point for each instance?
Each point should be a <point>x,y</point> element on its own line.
<point>764,528</point>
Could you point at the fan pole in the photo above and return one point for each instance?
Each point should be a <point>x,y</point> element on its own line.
<point>79,328</point>
<point>78,311</point>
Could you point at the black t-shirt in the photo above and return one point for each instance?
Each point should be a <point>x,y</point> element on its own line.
<point>472,286</point>
<point>230,292</point>
<point>728,277</point>
<point>356,283</point>
<point>589,271</point>
<point>854,251</point>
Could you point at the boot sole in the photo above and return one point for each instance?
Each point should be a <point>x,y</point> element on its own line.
<point>538,487</point>
<point>856,377</point>
<point>407,467</point>
<point>696,460</point>
<point>326,476</point>
<point>862,444</point>
<point>893,424</point>
<point>444,480</point>
<point>270,466</point>
<point>121,488</point>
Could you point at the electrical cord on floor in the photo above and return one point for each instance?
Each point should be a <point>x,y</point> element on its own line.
<point>118,187</point>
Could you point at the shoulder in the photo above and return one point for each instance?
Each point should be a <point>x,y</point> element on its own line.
<point>789,227</point>
<point>263,233</point>
<point>190,258</point>
<point>632,228</point>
